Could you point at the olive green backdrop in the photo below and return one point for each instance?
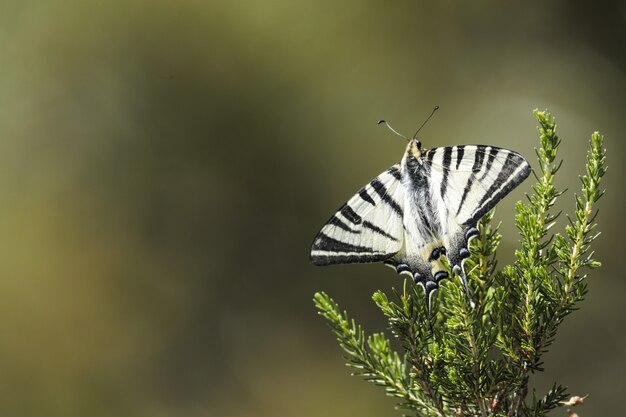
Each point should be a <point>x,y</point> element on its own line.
<point>164,166</point>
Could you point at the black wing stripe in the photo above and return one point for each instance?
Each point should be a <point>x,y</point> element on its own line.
<point>478,162</point>
<point>460,150</point>
<point>492,155</point>
<point>503,175</point>
<point>467,153</point>
<point>506,181</point>
<point>350,214</point>
<point>327,243</point>
<point>430,155</point>
<point>378,230</point>
<point>481,150</point>
<point>336,221</point>
<point>447,160</point>
<point>329,259</point>
<point>366,197</point>
<point>395,172</point>
<point>381,190</point>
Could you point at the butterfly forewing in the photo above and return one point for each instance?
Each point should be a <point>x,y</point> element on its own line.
<point>472,179</point>
<point>368,228</point>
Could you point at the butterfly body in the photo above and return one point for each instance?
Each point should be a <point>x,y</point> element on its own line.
<point>421,209</point>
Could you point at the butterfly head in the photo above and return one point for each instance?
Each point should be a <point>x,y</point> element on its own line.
<point>414,148</point>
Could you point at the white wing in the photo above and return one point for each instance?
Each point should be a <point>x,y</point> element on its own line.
<point>368,228</point>
<point>470,180</point>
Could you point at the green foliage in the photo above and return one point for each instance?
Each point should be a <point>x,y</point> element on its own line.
<point>465,361</point>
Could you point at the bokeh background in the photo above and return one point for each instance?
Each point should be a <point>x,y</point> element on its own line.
<point>164,166</point>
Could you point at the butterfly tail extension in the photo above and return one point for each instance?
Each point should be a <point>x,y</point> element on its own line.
<point>458,254</point>
<point>430,289</point>
<point>457,269</point>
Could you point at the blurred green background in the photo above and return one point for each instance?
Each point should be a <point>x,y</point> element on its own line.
<point>165,165</point>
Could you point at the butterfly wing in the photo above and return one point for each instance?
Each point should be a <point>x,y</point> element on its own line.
<point>468,181</point>
<point>472,179</point>
<point>368,228</point>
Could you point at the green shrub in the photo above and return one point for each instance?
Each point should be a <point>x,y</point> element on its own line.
<point>465,361</point>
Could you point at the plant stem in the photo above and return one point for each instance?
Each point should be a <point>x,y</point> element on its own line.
<point>476,372</point>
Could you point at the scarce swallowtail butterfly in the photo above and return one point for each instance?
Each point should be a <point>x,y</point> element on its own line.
<point>426,206</point>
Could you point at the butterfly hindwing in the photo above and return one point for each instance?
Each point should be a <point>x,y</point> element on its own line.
<point>368,228</point>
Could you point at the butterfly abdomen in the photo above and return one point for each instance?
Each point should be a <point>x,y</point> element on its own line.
<point>421,205</point>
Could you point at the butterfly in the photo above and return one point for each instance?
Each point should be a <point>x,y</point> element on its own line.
<point>421,209</point>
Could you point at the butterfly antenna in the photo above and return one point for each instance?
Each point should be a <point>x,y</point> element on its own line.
<point>384,122</point>
<point>426,121</point>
